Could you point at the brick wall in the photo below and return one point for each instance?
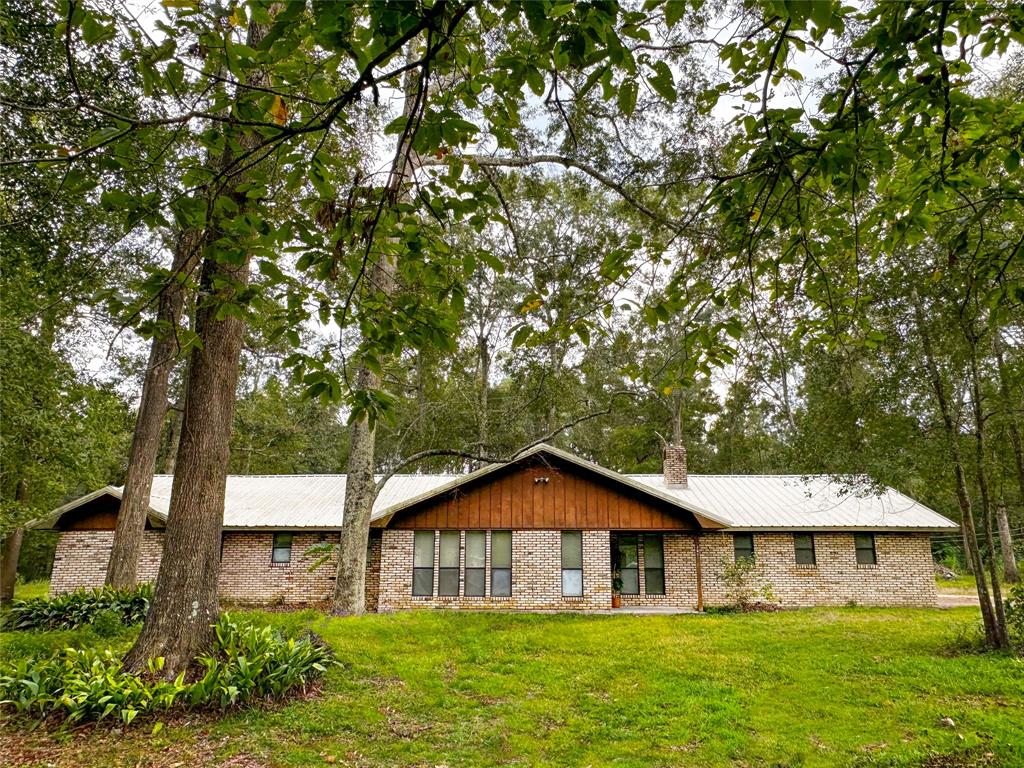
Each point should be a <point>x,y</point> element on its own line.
<point>81,558</point>
<point>536,574</point>
<point>903,574</point>
<point>680,575</point>
<point>247,574</point>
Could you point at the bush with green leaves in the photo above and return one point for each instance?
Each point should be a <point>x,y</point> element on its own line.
<point>256,662</point>
<point>247,662</point>
<point>76,609</point>
<point>744,586</point>
<point>1015,614</point>
<point>84,684</point>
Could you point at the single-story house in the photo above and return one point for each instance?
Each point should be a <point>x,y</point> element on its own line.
<point>547,531</point>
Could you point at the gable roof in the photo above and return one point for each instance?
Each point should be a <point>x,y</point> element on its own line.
<point>736,502</point>
<point>707,518</point>
<point>153,514</point>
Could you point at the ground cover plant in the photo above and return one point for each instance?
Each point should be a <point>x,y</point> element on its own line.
<point>822,687</point>
<point>110,607</point>
<point>80,682</point>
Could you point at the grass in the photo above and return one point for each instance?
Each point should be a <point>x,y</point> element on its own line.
<point>861,687</point>
<point>31,589</point>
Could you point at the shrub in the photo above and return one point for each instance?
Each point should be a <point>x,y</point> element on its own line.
<point>83,684</point>
<point>76,609</point>
<point>743,586</point>
<point>246,663</point>
<point>255,662</point>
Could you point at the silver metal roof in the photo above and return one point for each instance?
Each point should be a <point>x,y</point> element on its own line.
<point>744,502</point>
<point>786,502</point>
<point>296,501</point>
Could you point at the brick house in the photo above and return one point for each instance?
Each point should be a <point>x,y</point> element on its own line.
<point>547,531</point>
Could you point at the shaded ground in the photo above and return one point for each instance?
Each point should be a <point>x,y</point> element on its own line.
<point>862,687</point>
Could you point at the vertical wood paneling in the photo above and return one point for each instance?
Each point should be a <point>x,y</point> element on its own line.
<point>571,500</point>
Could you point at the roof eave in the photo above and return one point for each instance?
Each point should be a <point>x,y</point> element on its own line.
<point>49,520</point>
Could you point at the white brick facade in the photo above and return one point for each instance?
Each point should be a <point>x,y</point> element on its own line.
<point>81,559</point>
<point>536,574</point>
<point>902,576</point>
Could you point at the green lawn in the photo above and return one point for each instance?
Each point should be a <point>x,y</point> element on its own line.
<point>864,687</point>
<point>31,589</point>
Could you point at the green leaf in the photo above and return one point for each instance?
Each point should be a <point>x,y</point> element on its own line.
<point>95,31</point>
<point>560,9</point>
<point>663,82</point>
<point>627,97</point>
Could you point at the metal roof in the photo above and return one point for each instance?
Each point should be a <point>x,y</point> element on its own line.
<point>743,502</point>
<point>297,501</point>
<point>787,502</point>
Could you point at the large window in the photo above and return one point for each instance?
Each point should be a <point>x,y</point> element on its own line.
<point>628,565</point>
<point>803,545</point>
<point>282,548</point>
<point>423,563</point>
<point>743,546</point>
<point>476,561</point>
<point>501,563</point>
<point>865,545</point>
<point>572,563</point>
<point>654,564</point>
<point>448,570</point>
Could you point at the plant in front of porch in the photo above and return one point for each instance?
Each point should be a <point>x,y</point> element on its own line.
<point>616,589</point>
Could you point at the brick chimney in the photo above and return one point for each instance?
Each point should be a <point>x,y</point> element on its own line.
<point>674,465</point>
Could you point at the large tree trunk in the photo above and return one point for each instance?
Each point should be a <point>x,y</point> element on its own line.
<point>9,564</point>
<point>360,493</point>
<point>963,498</point>
<point>185,606</point>
<point>11,550</point>
<point>1010,406</point>
<point>163,354</point>
<point>360,485</point>
<point>1002,639</point>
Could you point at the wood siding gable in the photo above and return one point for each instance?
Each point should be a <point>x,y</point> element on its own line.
<point>544,493</point>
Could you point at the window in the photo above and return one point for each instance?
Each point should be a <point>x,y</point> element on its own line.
<point>501,563</point>
<point>476,573</point>
<point>572,563</point>
<point>282,549</point>
<point>803,544</point>
<point>423,563</point>
<point>448,571</point>
<point>628,565</point>
<point>743,546</point>
<point>865,545</point>
<point>654,564</point>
